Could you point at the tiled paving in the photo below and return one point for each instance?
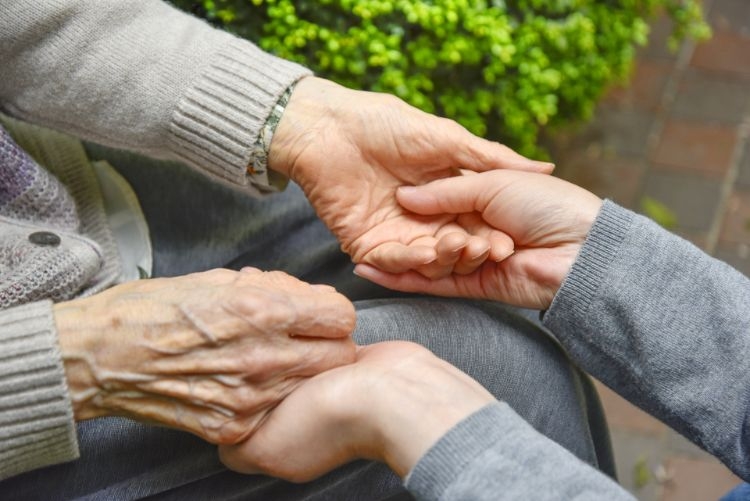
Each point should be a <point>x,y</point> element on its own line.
<point>677,133</point>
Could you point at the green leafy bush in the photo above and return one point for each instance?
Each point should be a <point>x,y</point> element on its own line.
<point>503,68</point>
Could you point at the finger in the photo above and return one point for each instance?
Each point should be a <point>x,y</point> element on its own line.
<point>434,271</point>
<point>456,195</point>
<point>450,247</point>
<point>261,361</point>
<point>409,281</point>
<point>324,315</point>
<point>302,312</point>
<point>395,257</point>
<point>476,252</point>
<point>478,154</point>
<point>323,288</point>
<point>209,424</point>
<point>250,269</point>
<point>501,246</point>
<point>212,392</point>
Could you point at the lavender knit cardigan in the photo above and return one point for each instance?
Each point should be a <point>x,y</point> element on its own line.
<point>138,75</point>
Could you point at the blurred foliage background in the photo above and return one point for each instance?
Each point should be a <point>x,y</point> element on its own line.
<point>505,69</point>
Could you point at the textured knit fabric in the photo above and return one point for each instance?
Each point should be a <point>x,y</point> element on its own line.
<point>36,420</point>
<point>64,159</point>
<point>494,454</point>
<point>122,459</point>
<point>29,193</point>
<point>138,75</point>
<point>657,320</point>
<point>143,76</point>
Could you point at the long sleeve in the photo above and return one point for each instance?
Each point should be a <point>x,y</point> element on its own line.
<point>36,417</point>
<point>138,75</point>
<point>653,317</point>
<point>143,76</point>
<point>494,455</point>
<point>664,325</point>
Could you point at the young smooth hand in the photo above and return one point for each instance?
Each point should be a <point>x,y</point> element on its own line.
<point>392,405</point>
<point>349,151</point>
<point>210,353</point>
<point>547,218</point>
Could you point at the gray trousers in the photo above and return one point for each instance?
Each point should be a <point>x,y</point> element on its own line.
<point>195,225</point>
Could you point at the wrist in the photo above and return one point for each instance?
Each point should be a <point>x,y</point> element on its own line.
<point>261,150</point>
<point>418,403</point>
<point>77,344</point>
<point>303,114</point>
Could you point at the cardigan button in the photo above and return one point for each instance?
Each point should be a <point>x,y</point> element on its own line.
<point>44,238</point>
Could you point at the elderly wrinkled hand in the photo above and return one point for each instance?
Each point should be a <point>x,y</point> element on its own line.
<point>392,405</point>
<point>547,218</point>
<point>210,353</point>
<point>349,151</point>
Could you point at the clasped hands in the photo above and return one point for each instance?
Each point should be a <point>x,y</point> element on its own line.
<point>260,362</point>
<point>388,186</point>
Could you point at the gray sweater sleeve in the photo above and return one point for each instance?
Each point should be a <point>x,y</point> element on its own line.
<point>143,76</point>
<point>653,317</point>
<point>494,455</point>
<point>665,326</point>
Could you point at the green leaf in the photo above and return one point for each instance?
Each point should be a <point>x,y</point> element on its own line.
<point>659,212</point>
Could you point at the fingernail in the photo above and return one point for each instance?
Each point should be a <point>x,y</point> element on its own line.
<point>543,163</point>
<point>482,255</point>
<point>358,270</point>
<point>501,259</point>
<point>457,250</point>
<point>430,256</point>
<point>407,190</point>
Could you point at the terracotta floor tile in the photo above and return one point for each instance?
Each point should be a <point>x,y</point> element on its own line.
<point>691,197</point>
<point>710,96</point>
<point>736,227</point>
<point>696,146</point>
<point>736,255</point>
<point>730,15</point>
<point>743,179</point>
<point>624,416</point>
<point>645,88</point>
<point>615,177</point>
<point>726,52</point>
<point>658,38</point>
<point>697,480</point>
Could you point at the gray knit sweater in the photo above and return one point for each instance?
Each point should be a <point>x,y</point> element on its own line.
<point>654,318</point>
<point>133,74</point>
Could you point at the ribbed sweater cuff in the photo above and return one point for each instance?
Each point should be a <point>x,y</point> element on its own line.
<point>36,417</point>
<point>218,121</point>
<point>597,253</point>
<point>445,461</point>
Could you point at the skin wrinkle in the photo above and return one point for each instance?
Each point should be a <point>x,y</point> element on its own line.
<point>199,326</point>
<point>222,359</point>
<point>163,350</point>
<point>108,379</point>
<point>284,319</point>
<point>227,380</point>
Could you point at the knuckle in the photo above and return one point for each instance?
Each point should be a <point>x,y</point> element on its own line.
<point>219,274</point>
<point>232,432</point>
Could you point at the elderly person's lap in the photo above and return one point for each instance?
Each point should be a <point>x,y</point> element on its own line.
<point>504,350</point>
